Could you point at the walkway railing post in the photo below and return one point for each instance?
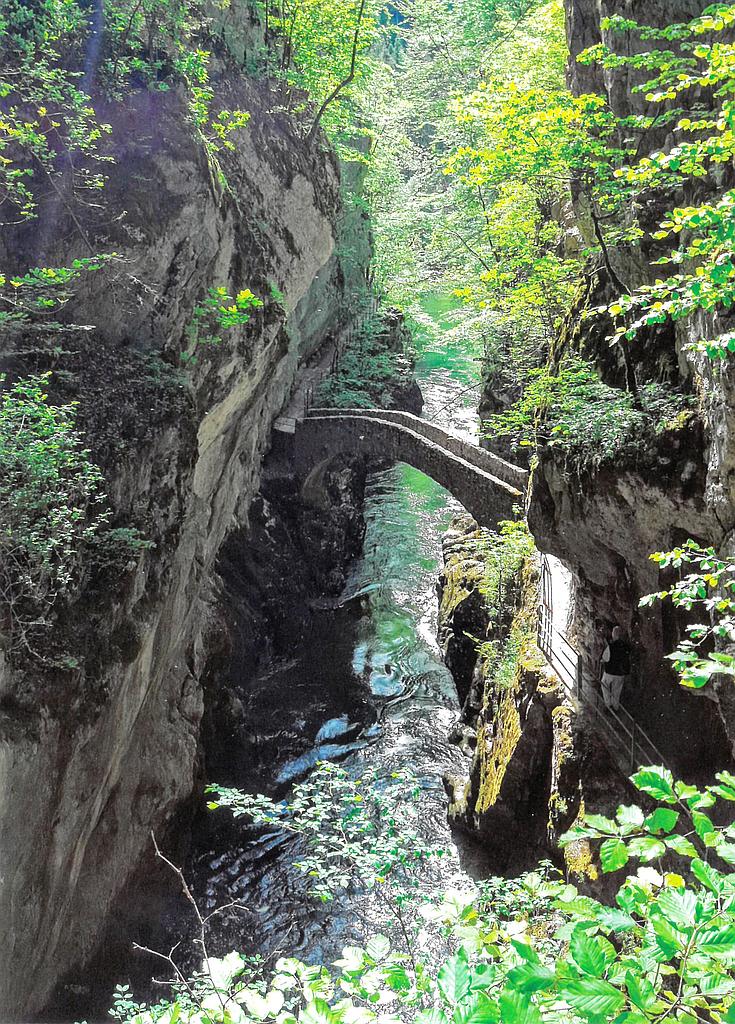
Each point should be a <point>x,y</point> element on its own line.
<point>628,741</point>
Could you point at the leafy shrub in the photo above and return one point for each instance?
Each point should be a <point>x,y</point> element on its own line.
<point>356,833</point>
<point>218,311</point>
<point>52,508</point>
<point>367,373</point>
<point>517,899</point>
<point>573,410</point>
<point>503,556</point>
<point>708,588</point>
<point>528,950</point>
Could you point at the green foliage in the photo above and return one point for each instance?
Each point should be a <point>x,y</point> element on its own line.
<point>322,49</point>
<point>503,556</point>
<point>214,131</point>
<point>57,58</point>
<point>55,55</point>
<point>518,899</point>
<point>356,835</point>
<point>53,59</point>
<point>531,142</point>
<point>142,40</point>
<point>46,111</point>
<point>532,950</point>
<point>571,409</point>
<point>50,141</point>
<point>439,232</point>
<point>708,588</point>
<point>31,301</point>
<point>52,510</point>
<point>369,371</point>
<point>522,145</point>
<point>684,916</point>
<point>693,86</point>
<point>535,142</point>
<point>219,311</point>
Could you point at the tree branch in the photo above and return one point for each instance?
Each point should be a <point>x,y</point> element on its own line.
<point>345,81</point>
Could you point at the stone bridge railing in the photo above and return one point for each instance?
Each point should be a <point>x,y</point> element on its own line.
<point>485,484</point>
<point>485,460</point>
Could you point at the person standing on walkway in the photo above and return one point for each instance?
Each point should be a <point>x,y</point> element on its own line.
<point>615,669</point>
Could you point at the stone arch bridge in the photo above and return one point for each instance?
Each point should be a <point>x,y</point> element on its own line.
<point>485,484</point>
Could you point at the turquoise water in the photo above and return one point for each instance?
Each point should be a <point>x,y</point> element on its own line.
<point>372,692</point>
<point>393,650</point>
<point>367,688</point>
<point>406,516</point>
<point>385,661</point>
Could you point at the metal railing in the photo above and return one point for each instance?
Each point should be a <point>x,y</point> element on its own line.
<point>627,742</point>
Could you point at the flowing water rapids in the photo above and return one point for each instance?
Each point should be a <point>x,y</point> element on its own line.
<point>369,689</point>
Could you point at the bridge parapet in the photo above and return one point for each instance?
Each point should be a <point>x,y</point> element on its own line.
<point>486,496</point>
<point>485,460</point>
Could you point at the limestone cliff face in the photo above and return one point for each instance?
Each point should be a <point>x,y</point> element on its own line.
<point>604,526</point>
<point>94,758</point>
<point>509,696</point>
<point>604,523</point>
<point>534,761</point>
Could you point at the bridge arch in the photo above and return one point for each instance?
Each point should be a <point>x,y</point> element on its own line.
<point>485,484</point>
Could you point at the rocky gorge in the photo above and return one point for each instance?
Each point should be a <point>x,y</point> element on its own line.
<point>101,754</point>
<point>264,622</point>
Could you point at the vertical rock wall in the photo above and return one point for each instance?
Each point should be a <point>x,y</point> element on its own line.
<point>604,522</point>
<point>94,758</point>
<point>506,725</point>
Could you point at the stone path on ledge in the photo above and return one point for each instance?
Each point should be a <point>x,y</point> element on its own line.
<point>322,364</point>
<point>307,385</point>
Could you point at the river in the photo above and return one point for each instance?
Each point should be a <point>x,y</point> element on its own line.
<point>368,688</point>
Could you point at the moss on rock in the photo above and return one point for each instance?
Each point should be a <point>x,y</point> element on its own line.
<point>503,801</point>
